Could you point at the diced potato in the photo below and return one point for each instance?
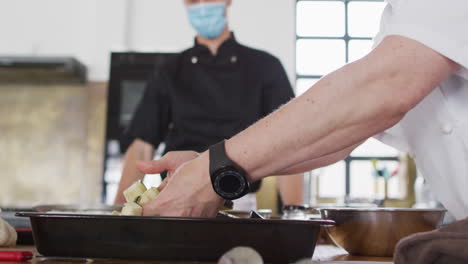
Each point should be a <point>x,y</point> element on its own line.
<point>135,190</point>
<point>132,209</point>
<point>148,196</point>
<point>137,195</point>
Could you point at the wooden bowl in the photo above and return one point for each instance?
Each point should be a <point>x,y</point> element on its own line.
<point>376,231</point>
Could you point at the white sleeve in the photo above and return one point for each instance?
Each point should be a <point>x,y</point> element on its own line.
<point>441,25</point>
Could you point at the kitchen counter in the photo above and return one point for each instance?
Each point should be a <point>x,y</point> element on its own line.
<point>324,253</point>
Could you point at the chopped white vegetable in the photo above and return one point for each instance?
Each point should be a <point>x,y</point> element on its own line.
<point>137,195</point>
<point>132,209</point>
<point>148,196</point>
<point>135,190</point>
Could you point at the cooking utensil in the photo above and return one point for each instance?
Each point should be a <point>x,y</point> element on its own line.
<point>15,255</point>
<point>255,215</point>
<point>171,238</point>
<point>376,231</point>
<point>265,213</point>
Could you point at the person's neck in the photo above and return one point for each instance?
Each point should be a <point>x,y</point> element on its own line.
<point>214,44</point>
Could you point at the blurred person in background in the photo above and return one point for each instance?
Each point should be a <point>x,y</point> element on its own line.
<point>208,93</point>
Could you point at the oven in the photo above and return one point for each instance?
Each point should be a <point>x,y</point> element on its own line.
<point>129,73</point>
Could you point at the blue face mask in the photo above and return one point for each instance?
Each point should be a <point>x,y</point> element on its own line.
<point>207,18</point>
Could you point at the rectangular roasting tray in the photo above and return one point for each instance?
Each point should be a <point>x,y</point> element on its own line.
<point>170,238</point>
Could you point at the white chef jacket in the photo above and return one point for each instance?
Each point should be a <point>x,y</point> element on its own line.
<point>247,202</point>
<point>435,132</point>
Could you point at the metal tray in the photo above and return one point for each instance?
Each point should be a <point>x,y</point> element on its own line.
<point>92,209</point>
<point>22,225</point>
<point>166,238</point>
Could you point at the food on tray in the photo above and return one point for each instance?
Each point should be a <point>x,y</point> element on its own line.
<point>136,196</point>
<point>8,234</point>
<point>132,209</point>
<point>147,196</point>
<point>136,189</point>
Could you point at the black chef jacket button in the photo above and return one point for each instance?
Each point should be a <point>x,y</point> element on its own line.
<point>234,59</point>
<point>194,60</point>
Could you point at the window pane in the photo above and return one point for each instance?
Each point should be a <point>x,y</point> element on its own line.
<point>111,189</point>
<point>364,18</point>
<point>303,85</point>
<point>359,49</point>
<point>320,18</point>
<point>363,182</point>
<point>319,57</point>
<point>332,180</point>
<point>396,187</point>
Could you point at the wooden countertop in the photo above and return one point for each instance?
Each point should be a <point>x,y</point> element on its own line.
<point>322,253</point>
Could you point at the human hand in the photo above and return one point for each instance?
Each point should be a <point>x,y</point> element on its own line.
<point>170,162</point>
<point>187,192</point>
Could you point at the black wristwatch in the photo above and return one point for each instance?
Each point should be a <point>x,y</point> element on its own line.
<point>228,179</point>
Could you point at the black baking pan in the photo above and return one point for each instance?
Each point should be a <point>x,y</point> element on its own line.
<point>171,238</point>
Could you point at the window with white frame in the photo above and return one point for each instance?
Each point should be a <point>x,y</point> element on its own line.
<point>329,34</point>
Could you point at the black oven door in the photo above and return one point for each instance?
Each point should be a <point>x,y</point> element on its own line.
<point>129,73</point>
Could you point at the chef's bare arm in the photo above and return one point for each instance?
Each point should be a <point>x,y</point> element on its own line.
<point>139,150</point>
<point>323,125</point>
<point>341,110</point>
<point>291,188</point>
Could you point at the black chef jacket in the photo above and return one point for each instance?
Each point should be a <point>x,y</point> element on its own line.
<point>198,99</point>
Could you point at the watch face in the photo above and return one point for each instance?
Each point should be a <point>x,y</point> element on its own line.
<point>230,184</point>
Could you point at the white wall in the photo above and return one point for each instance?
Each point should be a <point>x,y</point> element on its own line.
<point>90,29</point>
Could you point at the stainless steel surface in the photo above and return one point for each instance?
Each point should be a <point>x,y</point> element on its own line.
<point>376,231</point>
<point>21,222</point>
<point>265,213</point>
<point>239,213</point>
<point>297,212</point>
<point>88,209</point>
<point>8,214</point>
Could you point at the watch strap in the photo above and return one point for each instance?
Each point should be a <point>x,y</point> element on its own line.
<point>220,164</point>
<point>218,158</point>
